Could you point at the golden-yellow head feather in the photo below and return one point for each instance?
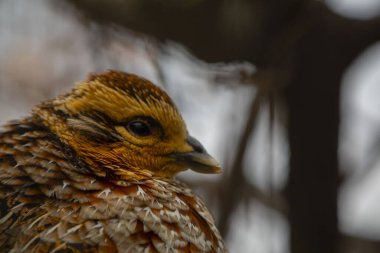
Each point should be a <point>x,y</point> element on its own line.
<point>123,126</point>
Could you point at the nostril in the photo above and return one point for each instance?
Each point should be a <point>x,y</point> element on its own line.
<point>197,146</point>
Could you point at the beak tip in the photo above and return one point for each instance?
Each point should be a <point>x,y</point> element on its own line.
<point>207,166</point>
<point>199,162</point>
<point>218,170</point>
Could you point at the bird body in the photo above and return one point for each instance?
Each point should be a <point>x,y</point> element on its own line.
<point>94,171</point>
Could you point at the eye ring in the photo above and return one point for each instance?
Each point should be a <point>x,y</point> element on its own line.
<point>139,128</point>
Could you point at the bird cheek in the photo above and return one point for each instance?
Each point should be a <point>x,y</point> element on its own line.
<point>164,166</point>
<point>171,169</point>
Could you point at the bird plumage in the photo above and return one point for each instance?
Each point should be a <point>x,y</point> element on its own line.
<point>93,171</point>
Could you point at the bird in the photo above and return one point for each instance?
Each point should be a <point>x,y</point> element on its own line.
<point>94,170</point>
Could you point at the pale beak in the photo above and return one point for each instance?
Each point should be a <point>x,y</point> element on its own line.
<point>198,160</point>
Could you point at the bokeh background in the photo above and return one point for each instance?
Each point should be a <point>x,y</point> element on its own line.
<point>285,94</point>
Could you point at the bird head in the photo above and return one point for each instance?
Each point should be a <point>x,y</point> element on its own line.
<point>123,126</point>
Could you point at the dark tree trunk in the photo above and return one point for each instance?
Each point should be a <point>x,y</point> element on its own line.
<point>313,107</point>
<point>312,185</point>
<point>320,58</point>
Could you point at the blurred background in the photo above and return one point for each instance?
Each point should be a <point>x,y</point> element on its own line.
<point>286,94</point>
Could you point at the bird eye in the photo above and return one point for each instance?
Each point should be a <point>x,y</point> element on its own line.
<point>139,128</point>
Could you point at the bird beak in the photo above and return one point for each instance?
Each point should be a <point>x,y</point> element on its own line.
<point>198,160</point>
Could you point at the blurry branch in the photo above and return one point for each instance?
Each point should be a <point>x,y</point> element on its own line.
<point>235,188</point>
<point>274,201</point>
<point>234,184</point>
<point>235,73</point>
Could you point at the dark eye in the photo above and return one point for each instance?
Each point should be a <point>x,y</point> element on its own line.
<point>139,128</point>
